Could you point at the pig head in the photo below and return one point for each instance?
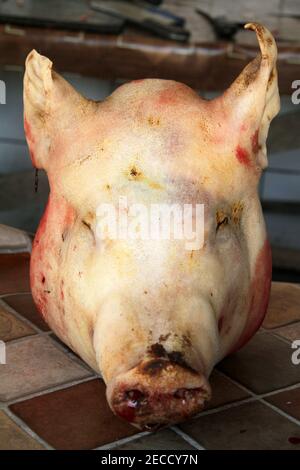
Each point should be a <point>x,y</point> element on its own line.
<point>151,316</point>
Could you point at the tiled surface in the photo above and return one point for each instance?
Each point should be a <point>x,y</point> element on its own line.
<point>288,401</point>
<point>74,418</point>
<point>224,391</point>
<point>23,303</point>
<point>14,273</point>
<point>163,440</point>
<point>263,365</point>
<point>290,332</point>
<point>12,437</point>
<point>283,308</point>
<point>248,426</point>
<point>34,364</point>
<point>59,402</point>
<point>11,327</point>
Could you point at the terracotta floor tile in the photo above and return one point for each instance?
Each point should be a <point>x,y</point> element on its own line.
<point>14,273</point>
<point>162,440</point>
<point>23,304</point>
<point>35,364</point>
<point>224,391</point>
<point>263,365</point>
<point>14,438</point>
<point>288,401</point>
<point>11,327</point>
<point>249,426</point>
<point>284,306</point>
<point>291,332</point>
<point>74,418</point>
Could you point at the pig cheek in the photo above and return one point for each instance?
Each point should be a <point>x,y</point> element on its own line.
<point>46,251</point>
<point>259,293</point>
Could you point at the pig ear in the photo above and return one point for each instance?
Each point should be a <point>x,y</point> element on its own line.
<point>254,97</point>
<point>49,106</point>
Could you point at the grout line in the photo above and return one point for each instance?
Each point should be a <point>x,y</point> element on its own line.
<point>225,407</point>
<point>39,393</point>
<point>20,423</point>
<point>19,316</point>
<point>278,336</point>
<point>187,438</point>
<point>279,411</point>
<point>8,294</point>
<point>125,440</point>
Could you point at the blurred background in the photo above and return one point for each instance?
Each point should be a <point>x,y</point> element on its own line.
<point>97,45</point>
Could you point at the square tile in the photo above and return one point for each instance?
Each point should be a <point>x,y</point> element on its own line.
<point>263,365</point>
<point>284,305</point>
<point>290,332</point>
<point>288,401</point>
<point>74,418</point>
<point>11,327</point>
<point>224,391</point>
<point>14,273</point>
<point>35,364</point>
<point>247,426</point>
<point>162,440</point>
<point>12,437</point>
<point>24,305</point>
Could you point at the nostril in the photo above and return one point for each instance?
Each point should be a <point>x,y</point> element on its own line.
<point>135,398</point>
<point>188,393</point>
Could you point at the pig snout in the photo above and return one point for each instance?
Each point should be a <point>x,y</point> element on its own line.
<point>158,392</point>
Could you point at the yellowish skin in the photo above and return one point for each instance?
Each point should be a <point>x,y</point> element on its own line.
<point>153,141</point>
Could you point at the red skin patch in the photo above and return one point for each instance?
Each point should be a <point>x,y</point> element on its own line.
<point>30,140</point>
<point>260,293</point>
<point>57,217</point>
<point>243,156</point>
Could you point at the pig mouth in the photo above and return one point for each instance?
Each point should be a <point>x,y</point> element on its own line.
<point>157,393</point>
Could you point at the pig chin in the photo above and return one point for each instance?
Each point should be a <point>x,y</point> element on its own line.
<point>158,392</point>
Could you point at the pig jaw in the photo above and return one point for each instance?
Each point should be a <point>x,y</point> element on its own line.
<point>157,392</point>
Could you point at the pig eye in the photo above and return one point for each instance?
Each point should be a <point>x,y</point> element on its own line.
<point>222,220</point>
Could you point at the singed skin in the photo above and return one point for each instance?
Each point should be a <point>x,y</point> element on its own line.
<point>121,303</point>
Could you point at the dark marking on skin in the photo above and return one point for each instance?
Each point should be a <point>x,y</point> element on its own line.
<point>64,234</point>
<point>135,173</point>
<point>254,142</point>
<point>178,358</point>
<point>163,338</point>
<point>237,210</point>
<point>153,121</point>
<point>79,273</point>
<point>47,291</point>
<point>87,224</point>
<point>222,219</point>
<point>145,292</point>
<point>85,159</point>
<point>43,280</point>
<point>271,79</point>
<point>157,350</point>
<point>186,340</point>
<point>220,323</point>
<point>108,187</point>
<point>155,366</point>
